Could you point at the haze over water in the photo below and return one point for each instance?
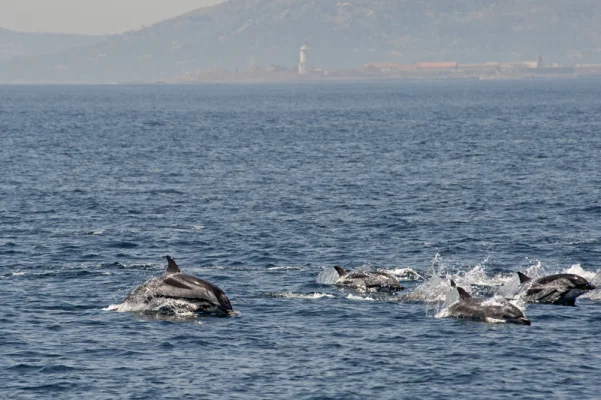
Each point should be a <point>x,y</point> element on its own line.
<point>258,188</point>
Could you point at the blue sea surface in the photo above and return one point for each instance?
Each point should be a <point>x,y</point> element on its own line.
<point>258,189</point>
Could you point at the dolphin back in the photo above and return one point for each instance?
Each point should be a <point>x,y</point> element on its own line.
<point>495,309</point>
<point>192,287</point>
<point>562,289</point>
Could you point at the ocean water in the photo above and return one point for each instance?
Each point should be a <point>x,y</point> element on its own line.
<point>259,189</point>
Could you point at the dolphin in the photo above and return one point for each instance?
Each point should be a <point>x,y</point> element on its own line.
<point>378,281</point>
<point>191,293</point>
<point>560,289</point>
<point>495,309</point>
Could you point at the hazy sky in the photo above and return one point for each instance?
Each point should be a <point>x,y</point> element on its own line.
<point>90,16</point>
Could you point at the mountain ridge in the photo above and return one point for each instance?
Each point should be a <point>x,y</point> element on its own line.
<point>241,34</point>
<point>16,44</point>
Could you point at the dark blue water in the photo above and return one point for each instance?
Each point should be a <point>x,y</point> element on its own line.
<point>257,189</point>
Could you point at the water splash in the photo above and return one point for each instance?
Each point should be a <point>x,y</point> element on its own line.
<point>168,307</point>
<point>578,270</point>
<point>535,270</point>
<point>328,276</point>
<point>360,298</point>
<point>593,277</point>
<point>403,274</point>
<point>511,288</point>
<point>434,289</point>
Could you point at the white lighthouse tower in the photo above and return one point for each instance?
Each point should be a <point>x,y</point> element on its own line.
<point>303,64</point>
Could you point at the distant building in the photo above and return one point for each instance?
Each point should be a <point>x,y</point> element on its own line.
<point>303,64</point>
<point>438,65</point>
<point>539,61</point>
<point>389,67</point>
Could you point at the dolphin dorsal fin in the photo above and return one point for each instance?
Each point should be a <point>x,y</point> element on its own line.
<point>523,278</point>
<point>172,267</point>
<point>463,294</point>
<point>340,270</point>
<point>453,284</point>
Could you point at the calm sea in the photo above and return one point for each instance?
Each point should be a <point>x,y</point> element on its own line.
<point>259,188</point>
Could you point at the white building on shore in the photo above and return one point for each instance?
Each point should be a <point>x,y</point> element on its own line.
<point>303,64</point>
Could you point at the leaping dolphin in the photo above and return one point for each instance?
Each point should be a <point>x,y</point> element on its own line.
<point>495,309</point>
<point>196,294</point>
<point>367,281</point>
<point>560,289</point>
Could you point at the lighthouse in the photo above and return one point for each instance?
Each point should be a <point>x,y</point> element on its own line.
<point>303,64</point>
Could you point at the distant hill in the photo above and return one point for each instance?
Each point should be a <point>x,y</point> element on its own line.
<point>21,44</point>
<point>340,34</point>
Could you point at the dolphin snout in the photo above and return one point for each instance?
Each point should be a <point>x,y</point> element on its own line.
<point>520,321</point>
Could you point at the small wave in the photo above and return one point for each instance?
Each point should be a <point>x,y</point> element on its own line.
<point>285,268</point>
<point>123,245</point>
<point>291,295</point>
<point>20,273</point>
<point>58,369</point>
<point>584,241</point>
<point>24,367</point>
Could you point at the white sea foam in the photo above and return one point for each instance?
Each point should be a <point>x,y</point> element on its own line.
<point>360,298</point>
<point>494,321</point>
<point>442,313</point>
<point>20,273</point>
<point>285,268</point>
<point>175,307</point>
<point>403,274</point>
